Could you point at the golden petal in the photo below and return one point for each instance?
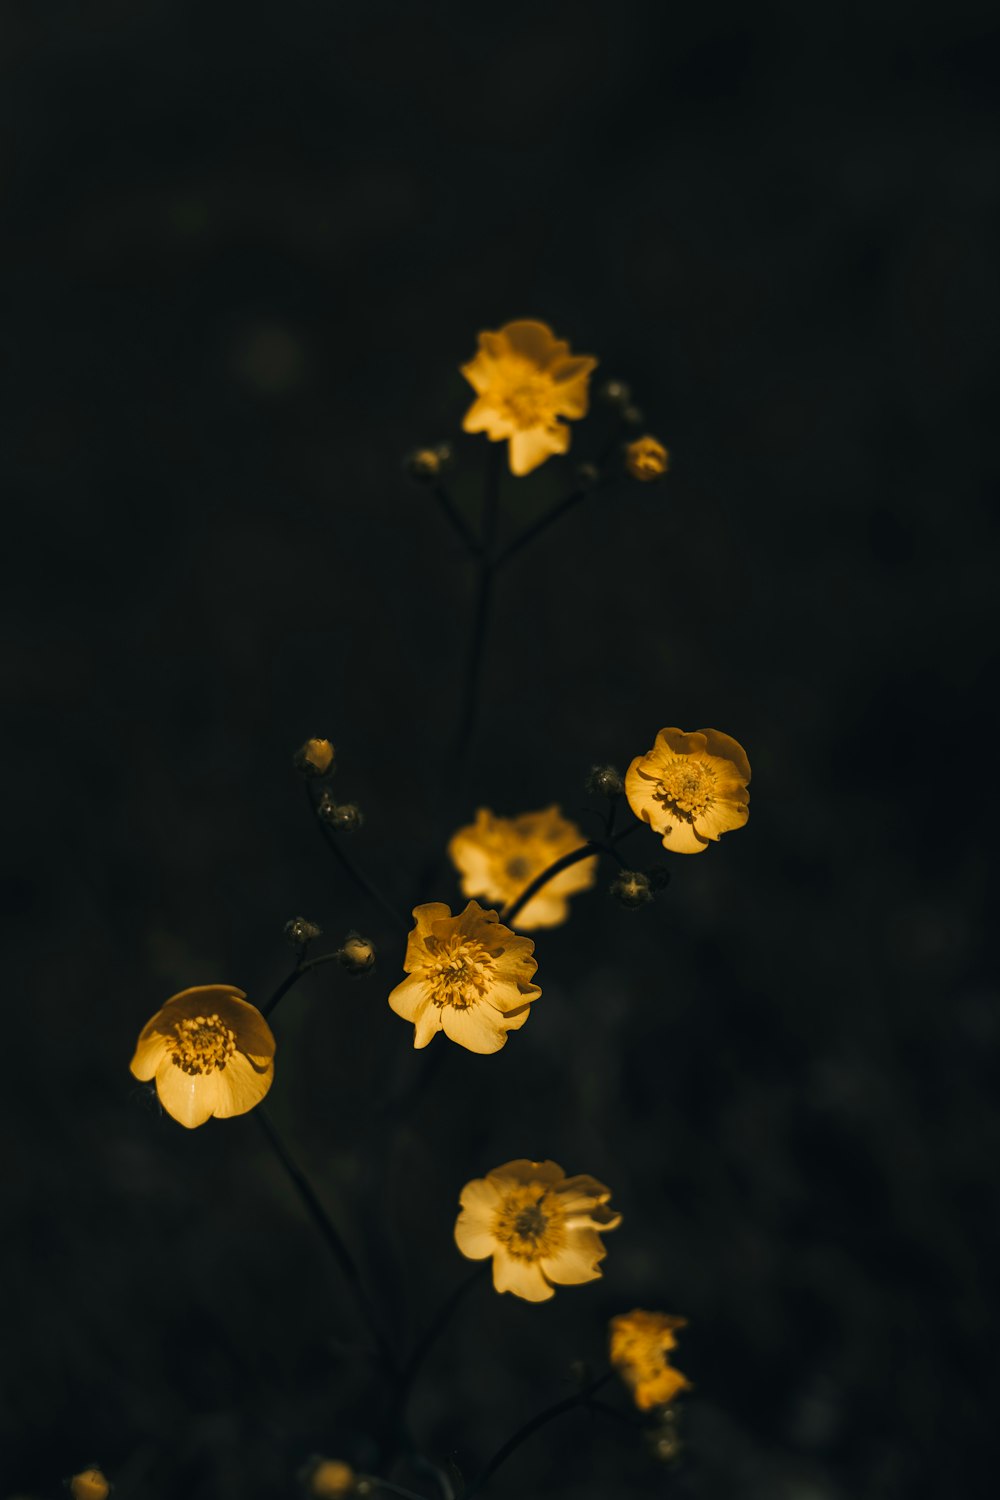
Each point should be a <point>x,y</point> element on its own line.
<point>522,1277</point>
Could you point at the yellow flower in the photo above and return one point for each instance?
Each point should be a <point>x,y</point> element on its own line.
<point>525,379</point>
<point>210,1051</point>
<point>315,758</point>
<point>498,857</point>
<point>542,1228</point>
<point>470,977</point>
<point>89,1484</point>
<point>690,788</point>
<point>331,1479</point>
<point>640,1348</point>
<point>646,458</point>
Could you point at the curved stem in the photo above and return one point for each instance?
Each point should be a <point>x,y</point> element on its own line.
<point>591,847</point>
<point>548,1415</point>
<point>333,842</point>
<point>456,519</point>
<point>294,977</point>
<point>390,1488</point>
<point>331,1235</point>
<point>432,1333</point>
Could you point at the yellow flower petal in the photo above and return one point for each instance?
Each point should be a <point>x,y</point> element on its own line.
<point>578,1261</point>
<point>532,447</point>
<point>241,1085</point>
<point>522,1277</point>
<point>690,788</point>
<point>477,1028</point>
<point>189,1100</point>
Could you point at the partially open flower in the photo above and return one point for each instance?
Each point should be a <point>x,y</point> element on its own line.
<point>497,858</point>
<point>331,1479</point>
<point>542,1228</point>
<point>646,458</point>
<point>690,788</point>
<point>525,380</point>
<point>89,1484</point>
<point>469,976</point>
<point>210,1052</point>
<point>315,758</point>
<point>640,1348</point>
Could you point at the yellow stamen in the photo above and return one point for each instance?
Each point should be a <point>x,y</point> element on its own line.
<point>202,1043</point>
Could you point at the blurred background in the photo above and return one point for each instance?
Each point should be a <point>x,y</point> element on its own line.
<point>246,249</point>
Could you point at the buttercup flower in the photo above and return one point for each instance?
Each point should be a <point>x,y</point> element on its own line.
<point>210,1051</point>
<point>646,458</point>
<point>690,788</point>
<point>525,379</point>
<point>542,1228</point>
<point>315,757</point>
<point>640,1351</point>
<point>89,1484</point>
<point>498,857</point>
<point>469,976</point>
<point>331,1479</point>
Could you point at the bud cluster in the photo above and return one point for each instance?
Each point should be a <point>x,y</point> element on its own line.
<point>343,817</point>
<point>300,931</point>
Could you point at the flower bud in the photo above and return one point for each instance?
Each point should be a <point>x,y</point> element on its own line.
<point>358,954</point>
<point>315,758</point>
<point>631,888</point>
<point>605,781</point>
<point>331,1479</point>
<point>646,458</point>
<point>89,1484</point>
<point>663,1438</point>
<point>587,475</point>
<point>343,817</point>
<point>425,465</point>
<point>300,931</point>
<point>615,393</point>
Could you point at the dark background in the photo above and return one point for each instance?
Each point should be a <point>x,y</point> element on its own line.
<point>246,248</point>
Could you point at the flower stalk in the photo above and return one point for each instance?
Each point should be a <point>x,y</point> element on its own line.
<point>580,1398</point>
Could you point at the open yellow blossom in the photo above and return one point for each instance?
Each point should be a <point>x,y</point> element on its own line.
<point>499,857</point>
<point>525,379</point>
<point>640,1351</point>
<point>469,976</point>
<point>542,1228</point>
<point>690,788</point>
<point>210,1051</point>
<point>646,458</point>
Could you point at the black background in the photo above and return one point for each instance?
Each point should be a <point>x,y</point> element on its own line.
<point>246,248</point>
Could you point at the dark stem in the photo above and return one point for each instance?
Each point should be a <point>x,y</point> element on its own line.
<point>484,600</point>
<point>431,1335</point>
<point>542,524</point>
<point>592,846</point>
<point>331,1236</point>
<point>392,1489</point>
<point>333,842</point>
<point>293,979</point>
<point>548,1415</point>
<point>457,520</point>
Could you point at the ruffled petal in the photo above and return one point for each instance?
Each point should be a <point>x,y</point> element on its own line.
<point>409,997</point>
<point>522,1277</point>
<point>577,1261</point>
<point>531,447</point>
<point>722,816</point>
<point>724,746</point>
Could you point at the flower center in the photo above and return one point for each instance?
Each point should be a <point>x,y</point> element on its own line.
<point>202,1043</point>
<point>528,1224</point>
<point>525,404</point>
<point>686,785</point>
<point>518,868</point>
<point>459,972</point>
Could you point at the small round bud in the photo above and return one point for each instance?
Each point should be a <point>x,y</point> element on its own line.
<point>344,817</point>
<point>658,877</point>
<point>300,931</point>
<point>615,393</point>
<point>646,458</point>
<point>358,954</point>
<point>425,465</point>
<point>605,781</point>
<point>663,1438</point>
<point>89,1484</point>
<point>587,475</point>
<point>315,758</point>
<point>631,888</point>
<point>632,416</point>
<point>332,1480</point>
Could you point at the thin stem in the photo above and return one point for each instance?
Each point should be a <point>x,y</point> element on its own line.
<point>548,1415</point>
<point>432,1333</point>
<point>392,1489</point>
<point>484,600</point>
<point>330,1233</point>
<point>293,979</point>
<point>592,846</point>
<point>542,524</point>
<point>333,842</point>
<point>457,520</point>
